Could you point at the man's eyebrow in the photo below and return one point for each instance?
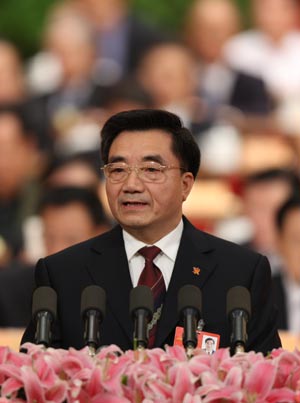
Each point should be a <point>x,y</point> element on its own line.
<point>154,157</point>
<point>116,158</point>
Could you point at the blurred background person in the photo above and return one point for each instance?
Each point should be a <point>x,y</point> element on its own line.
<point>68,215</point>
<point>76,170</point>
<point>286,283</point>
<point>263,192</point>
<point>270,48</point>
<point>121,37</point>
<point>208,26</point>
<point>19,177</point>
<point>14,89</point>
<point>168,73</point>
<point>75,96</point>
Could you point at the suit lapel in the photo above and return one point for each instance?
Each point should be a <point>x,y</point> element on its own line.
<point>194,265</point>
<point>109,269</point>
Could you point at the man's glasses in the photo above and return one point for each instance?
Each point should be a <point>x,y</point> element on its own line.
<point>148,171</point>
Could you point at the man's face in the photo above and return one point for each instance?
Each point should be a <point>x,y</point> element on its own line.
<point>148,211</point>
<point>209,345</point>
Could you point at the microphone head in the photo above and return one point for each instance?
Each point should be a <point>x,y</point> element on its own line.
<point>141,297</point>
<point>189,296</point>
<point>44,299</point>
<point>93,297</point>
<point>238,298</point>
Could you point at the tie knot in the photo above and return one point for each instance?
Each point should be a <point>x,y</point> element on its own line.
<point>149,252</point>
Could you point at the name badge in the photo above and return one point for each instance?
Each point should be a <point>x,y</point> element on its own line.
<point>209,342</point>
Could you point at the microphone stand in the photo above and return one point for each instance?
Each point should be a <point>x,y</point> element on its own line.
<point>239,331</point>
<point>92,331</point>
<point>190,333</point>
<point>140,339</point>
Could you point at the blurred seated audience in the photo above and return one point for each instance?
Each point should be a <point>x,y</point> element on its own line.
<point>209,24</point>
<point>19,179</point>
<point>286,283</point>
<point>68,215</point>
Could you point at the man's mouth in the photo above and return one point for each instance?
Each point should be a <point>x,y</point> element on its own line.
<point>133,203</point>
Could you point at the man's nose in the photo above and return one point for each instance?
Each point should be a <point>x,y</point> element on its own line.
<point>133,180</point>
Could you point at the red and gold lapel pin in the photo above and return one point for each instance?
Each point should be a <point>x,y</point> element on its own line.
<point>196,271</point>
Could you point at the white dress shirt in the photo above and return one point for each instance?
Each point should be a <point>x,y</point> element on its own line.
<point>165,260</point>
<point>278,64</point>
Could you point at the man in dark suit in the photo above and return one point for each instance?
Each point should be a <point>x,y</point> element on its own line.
<point>286,282</point>
<point>151,162</point>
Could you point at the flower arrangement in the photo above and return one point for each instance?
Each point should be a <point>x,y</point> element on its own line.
<point>149,376</point>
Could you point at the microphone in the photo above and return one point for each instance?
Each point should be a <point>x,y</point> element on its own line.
<point>189,307</point>
<point>141,310</point>
<point>239,312</point>
<point>44,305</point>
<point>93,304</point>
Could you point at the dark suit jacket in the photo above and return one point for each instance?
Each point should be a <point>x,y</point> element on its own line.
<point>102,261</point>
<point>16,287</point>
<point>249,94</point>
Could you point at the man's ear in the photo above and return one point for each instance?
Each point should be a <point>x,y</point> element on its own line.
<point>187,184</point>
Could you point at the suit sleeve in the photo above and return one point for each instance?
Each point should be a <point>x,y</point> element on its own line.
<point>262,329</point>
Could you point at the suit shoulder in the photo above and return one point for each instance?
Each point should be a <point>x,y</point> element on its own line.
<point>81,251</point>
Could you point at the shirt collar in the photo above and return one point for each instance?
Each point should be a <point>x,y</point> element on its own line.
<point>168,244</point>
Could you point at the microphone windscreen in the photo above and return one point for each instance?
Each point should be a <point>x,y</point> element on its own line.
<point>44,299</point>
<point>189,296</point>
<point>238,297</point>
<point>93,297</point>
<point>141,297</point>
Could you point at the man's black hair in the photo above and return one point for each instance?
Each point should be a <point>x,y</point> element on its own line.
<point>184,145</point>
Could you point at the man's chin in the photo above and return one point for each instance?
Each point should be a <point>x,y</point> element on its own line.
<point>134,225</point>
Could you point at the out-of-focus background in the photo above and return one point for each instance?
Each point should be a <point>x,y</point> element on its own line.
<point>230,70</point>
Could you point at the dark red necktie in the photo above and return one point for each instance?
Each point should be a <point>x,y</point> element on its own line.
<point>152,277</point>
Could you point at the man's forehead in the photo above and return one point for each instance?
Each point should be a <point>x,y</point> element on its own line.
<point>146,145</point>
